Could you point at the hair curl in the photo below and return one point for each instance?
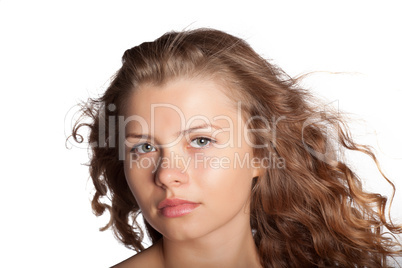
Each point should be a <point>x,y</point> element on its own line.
<point>313,213</point>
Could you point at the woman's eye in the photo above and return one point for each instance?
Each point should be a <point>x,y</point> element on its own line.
<point>143,148</point>
<point>200,142</point>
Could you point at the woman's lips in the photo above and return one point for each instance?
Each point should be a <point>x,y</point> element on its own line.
<point>175,207</point>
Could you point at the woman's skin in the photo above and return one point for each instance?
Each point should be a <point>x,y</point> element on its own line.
<point>198,163</point>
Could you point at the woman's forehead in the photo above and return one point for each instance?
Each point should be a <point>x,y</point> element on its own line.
<point>179,106</point>
<point>188,97</point>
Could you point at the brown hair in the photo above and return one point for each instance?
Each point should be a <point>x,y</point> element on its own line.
<point>313,212</point>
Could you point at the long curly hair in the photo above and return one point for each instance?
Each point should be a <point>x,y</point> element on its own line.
<point>311,213</point>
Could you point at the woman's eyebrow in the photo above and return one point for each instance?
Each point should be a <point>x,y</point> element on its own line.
<point>206,127</point>
<point>138,136</point>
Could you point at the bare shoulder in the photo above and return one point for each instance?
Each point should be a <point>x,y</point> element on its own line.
<point>151,257</point>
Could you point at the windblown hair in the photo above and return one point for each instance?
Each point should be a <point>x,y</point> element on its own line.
<point>311,213</point>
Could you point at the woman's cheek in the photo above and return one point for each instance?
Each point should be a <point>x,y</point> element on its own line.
<point>139,176</point>
<point>210,167</point>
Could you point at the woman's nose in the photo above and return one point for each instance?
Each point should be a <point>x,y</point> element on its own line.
<point>171,171</point>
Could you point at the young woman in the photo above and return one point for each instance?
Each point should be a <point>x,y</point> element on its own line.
<point>230,163</point>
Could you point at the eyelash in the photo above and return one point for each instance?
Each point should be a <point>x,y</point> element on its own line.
<point>209,140</point>
<point>138,147</point>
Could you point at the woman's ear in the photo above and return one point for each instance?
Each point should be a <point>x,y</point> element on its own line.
<point>257,169</point>
<point>256,172</point>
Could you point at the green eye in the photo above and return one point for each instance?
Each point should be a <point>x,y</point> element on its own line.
<point>144,148</point>
<point>200,142</point>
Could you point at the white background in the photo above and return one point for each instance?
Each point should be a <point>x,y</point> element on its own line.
<point>56,53</point>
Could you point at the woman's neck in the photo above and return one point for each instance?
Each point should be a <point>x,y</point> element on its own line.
<point>231,246</point>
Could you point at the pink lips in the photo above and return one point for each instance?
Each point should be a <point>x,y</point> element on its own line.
<point>175,207</point>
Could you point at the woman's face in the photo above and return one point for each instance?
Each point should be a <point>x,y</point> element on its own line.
<point>188,161</point>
